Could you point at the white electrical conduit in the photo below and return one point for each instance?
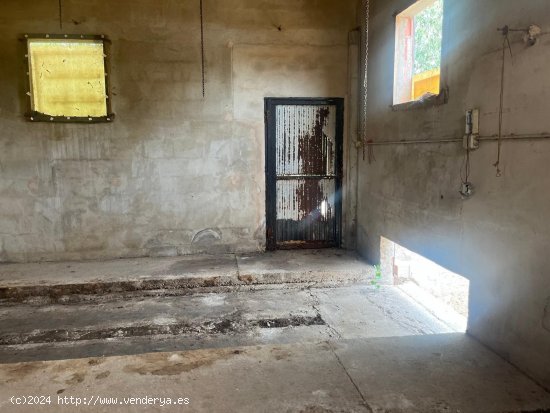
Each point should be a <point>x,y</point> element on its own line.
<point>454,140</point>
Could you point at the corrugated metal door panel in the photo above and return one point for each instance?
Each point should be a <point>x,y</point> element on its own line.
<point>306,140</point>
<point>306,175</point>
<point>305,211</point>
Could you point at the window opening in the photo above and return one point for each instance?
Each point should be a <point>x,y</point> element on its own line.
<point>419,33</point>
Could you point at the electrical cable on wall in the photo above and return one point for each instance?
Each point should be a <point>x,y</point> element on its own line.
<point>466,189</point>
<point>505,44</point>
<point>530,37</point>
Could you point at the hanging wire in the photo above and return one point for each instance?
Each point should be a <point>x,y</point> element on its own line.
<point>505,44</point>
<point>365,140</point>
<point>61,14</point>
<point>203,68</point>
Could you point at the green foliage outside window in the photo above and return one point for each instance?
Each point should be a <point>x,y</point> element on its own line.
<point>428,33</point>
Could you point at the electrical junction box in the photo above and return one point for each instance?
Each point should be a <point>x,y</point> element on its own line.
<point>471,142</point>
<point>471,137</point>
<point>472,122</point>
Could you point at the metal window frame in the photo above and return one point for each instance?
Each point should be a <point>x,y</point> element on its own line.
<point>34,116</point>
<point>270,105</point>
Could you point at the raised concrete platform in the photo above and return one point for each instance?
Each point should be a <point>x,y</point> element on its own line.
<point>53,280</point>
<point>422,374</point>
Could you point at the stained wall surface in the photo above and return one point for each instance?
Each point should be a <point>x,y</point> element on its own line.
<point>175,173</point>
<point>499,238</point>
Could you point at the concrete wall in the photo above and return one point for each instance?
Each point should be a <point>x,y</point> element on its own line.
<point>175,173</point>
<point>499,239</point>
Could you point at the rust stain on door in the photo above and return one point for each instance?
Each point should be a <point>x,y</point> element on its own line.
<point>306,174</point>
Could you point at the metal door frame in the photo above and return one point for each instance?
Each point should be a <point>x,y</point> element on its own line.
<point>271,166</point>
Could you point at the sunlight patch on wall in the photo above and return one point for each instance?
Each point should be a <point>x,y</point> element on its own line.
<point>442,292</point>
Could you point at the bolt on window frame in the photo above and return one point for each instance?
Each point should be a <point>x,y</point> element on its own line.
<point>404,59</point>
<point>32,114</point>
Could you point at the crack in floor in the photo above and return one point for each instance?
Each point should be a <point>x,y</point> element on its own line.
<point>315,305</point>
<point>365,402</point>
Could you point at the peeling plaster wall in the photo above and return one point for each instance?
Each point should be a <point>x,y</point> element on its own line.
<point>174,173</point>
<point>499,239</point>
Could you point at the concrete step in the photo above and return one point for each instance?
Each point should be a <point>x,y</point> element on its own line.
<point>59,282</point>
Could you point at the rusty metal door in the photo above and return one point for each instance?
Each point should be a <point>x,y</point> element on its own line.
<point>303,172</point>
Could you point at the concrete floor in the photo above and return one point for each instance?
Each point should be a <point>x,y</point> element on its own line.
<point>434,373</point>
<point>325,341</point>
<point>106,326</point>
